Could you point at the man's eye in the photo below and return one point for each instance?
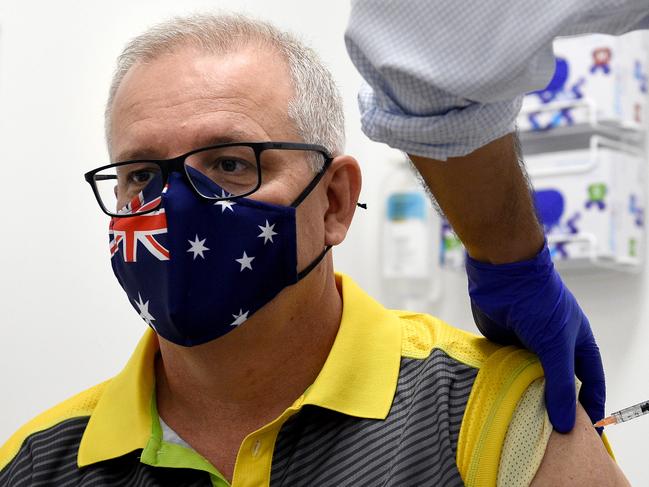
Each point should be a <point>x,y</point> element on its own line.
<point>141,177</point>
<point>230,165</point>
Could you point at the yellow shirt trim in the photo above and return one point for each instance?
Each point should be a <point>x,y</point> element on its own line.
<point>424,333</point>
<point>359,377</point>
<point>526,440</point>
<point>501,382</point>
<point>121,421</point>
<point>80,405</point>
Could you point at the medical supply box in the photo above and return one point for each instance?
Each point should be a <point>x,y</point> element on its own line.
<point>598,78</point>
<point>591,202</point>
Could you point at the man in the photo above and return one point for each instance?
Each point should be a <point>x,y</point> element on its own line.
<point>265,366</point>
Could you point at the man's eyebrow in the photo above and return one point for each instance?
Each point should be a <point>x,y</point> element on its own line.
<point>233,136</point>
<point>221,140</point>
<point>137,154</point>
<point>152,153</point>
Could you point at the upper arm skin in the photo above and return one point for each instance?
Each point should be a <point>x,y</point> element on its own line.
<point>578,459</point>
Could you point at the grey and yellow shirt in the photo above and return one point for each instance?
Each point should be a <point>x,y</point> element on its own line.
<point>403,399</point>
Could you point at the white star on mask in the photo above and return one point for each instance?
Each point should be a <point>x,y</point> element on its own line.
<point>267,232</point>
<point>245,262</point>
<point>225,203</point>
<point>240,318</point>
<point>144,311</point>
<point>197,247</point>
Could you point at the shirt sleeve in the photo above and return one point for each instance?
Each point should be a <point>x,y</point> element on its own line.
<point>444,77</point>
<point>527,438</point>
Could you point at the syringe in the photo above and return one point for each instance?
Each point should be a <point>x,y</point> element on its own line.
<point>624,415</point>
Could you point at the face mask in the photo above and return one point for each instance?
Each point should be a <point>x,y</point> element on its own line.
<point>196,269</point>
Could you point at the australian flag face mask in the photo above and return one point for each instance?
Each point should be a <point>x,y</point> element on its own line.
<point>196,269</point>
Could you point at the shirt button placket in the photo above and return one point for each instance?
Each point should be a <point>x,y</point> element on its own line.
<point>255,448</point>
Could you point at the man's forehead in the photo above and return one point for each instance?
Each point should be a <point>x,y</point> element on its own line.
<point>242,76</point>
<point>188,89</point>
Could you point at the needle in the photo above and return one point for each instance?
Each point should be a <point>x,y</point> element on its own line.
<point>625,414</point>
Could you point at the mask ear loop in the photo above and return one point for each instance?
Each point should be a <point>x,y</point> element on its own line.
<point>302,274</point>
<point>316,179</point>
<point>305,272</point>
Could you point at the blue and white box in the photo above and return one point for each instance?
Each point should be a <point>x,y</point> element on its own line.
<point>591,203</point>
<point>598,79</point>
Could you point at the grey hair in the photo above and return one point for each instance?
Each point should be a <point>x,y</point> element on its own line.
<point>316,107</point>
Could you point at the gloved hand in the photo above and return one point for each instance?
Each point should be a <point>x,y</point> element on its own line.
<point>527,302</point>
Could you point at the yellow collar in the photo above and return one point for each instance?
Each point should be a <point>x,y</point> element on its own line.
<point>359,379</point>
<point>360,375</point>
<point>121,421</point>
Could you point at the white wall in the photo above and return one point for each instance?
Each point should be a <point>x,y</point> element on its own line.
<point>65,324</point>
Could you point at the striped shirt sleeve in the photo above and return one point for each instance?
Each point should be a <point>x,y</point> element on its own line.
<point>445,77</point>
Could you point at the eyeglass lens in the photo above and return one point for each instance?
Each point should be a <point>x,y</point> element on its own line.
<point>130,188</point>
<point>233,169</point>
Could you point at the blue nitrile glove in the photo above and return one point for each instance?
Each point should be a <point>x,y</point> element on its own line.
<point>529,302</point>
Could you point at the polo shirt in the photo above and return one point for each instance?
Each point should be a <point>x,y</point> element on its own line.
<point>402,399</point>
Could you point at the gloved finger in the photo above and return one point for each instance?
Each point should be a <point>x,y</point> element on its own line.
<point>492,330</point>
<point>589,369</point>
<point>560,396</point>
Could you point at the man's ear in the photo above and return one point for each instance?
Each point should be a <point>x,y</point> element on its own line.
<point>343,189</point>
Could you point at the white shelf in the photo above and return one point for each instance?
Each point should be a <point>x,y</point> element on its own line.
<point>534,141</point>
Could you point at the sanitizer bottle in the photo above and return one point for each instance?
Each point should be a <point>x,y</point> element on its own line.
<point>410,242</point>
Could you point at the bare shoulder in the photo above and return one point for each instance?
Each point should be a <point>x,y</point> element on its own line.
<point>578,458</point>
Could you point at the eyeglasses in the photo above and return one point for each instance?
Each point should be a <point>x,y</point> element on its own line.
<point>129,187</point>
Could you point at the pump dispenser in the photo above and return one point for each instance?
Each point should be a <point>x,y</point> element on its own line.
<point>410,241</point>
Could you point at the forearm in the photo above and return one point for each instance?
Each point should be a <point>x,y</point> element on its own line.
<point>486,198</point>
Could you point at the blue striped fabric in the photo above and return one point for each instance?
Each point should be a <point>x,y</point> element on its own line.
<point>446,77</point>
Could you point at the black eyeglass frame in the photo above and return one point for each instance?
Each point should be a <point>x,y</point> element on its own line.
<point>177,164</point>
